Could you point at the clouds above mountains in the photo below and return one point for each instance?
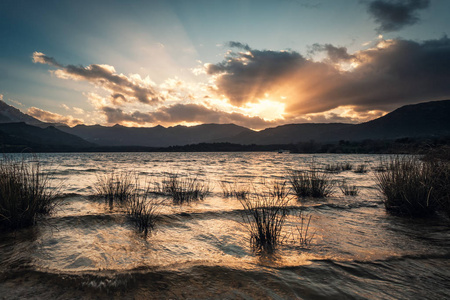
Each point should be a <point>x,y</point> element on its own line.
<point>184,113</point>
<point>394,15</point>
<point>50,117</point>
<point>393,73</point>
<point>121,88</point>
<point>262,88</point>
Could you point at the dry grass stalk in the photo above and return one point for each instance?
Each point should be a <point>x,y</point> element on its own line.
<point>304,236</point>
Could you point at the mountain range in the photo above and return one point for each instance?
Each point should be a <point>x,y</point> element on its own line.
<point>428,119</point>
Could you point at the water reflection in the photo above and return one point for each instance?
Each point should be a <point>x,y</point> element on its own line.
<point>356,244</point>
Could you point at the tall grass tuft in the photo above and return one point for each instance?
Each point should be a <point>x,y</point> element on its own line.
<point>182,189</point>
<point>409,187</point>
<point>25,193</point>
<point>116,186</point>
<point>143,211</point>
<point>265,215</point>
<point>310,183</point>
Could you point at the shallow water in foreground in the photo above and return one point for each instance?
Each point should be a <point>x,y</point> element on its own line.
<point>202,250</point>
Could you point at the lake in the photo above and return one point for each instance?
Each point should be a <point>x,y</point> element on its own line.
<point>202,250</point>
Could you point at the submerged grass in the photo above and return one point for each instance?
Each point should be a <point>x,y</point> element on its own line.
<point>123,188</point>
<point>25,193</point>
<point>361,169</point>
<point>348,190</point>
<point>346,166</point>
<point>333,168</point>
<point>304,236</point>
<point>232,189</point>
<point>310,183</point>
<point>143,211</point>
<point>181,189</point>
<point>338,167</point>
<point>410,187</point>
<point>116,186</point>
<point>265,214</point>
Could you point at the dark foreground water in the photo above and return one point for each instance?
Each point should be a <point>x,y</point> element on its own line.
<point>202,250</point>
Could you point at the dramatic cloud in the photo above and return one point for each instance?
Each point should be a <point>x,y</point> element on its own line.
<point>394,15</point>
<point>121,88</point>
<point>394,73</point>
<point>49,117</point>
<point>244,77</point>
<point>179,113</point>
<point>264,88</point>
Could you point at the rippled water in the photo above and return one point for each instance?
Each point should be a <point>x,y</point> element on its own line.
<point>202,250</point>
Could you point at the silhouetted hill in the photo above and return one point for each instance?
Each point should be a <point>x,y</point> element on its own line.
<point>424,120</point>
<point>429,119</point>
<point>157,136</point>
<point>18,136</point>
<point>9,114</point>
<point>287,134</point>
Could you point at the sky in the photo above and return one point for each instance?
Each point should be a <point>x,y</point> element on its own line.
<point>257,64</point>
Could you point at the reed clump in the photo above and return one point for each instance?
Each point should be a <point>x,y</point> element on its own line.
<point>182,189</point>
<point>410,187</point>
<point>143,211</point>
<point>338,167</point>
<point>232,189</point>
<point>265,215</point>
<point>116,186</point>
<point>310,183</point>
<point>25,193</point>
<point>361,169</point>
<point>440,184</point>
<point>346,166</point>
<point>348,190</point>
<point>333,168</point>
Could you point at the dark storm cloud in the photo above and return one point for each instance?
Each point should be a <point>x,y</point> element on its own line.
<point>244,76</point>
<point>120,86</point>
<point>394,73</point>
<point>394,15</point>
<point>183,113</point>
